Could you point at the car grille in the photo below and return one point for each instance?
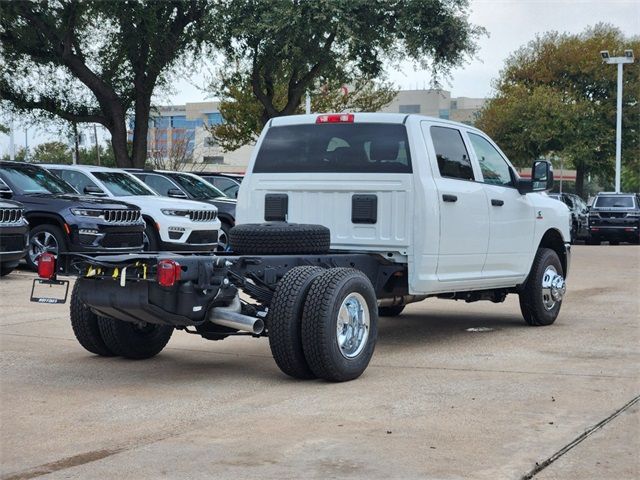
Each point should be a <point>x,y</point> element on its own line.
<point>122,240</point>
<point>203,236</point>
<point>613,214</point>
<point>122,216</point>
<point>10,215</point>
<point>12,243</point>
<point>202,215</point>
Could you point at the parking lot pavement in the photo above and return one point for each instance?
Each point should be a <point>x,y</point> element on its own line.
<point>454,391</point>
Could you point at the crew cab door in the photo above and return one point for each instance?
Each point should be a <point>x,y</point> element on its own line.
<point>464,215</point>
<point>511,214</point>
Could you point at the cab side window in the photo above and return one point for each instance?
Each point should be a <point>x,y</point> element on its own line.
<point>451,153</point>
<point>494,168</point>
<point>160,184</point>
<point>77,180</point>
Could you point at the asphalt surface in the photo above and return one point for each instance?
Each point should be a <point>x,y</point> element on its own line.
<point>454,391</point>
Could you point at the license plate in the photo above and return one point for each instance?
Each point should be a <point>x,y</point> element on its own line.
<point>49,291</point>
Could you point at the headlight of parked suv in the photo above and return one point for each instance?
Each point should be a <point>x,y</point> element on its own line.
<point>175,213</point>
<point>87,212</point>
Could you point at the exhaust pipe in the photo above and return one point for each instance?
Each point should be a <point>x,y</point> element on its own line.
<point>231,317</point>
<point>401,300</point>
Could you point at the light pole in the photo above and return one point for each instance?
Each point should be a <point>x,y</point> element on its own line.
<point>620,61</point>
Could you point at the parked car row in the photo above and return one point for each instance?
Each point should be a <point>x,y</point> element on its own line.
<point>91,209</point>
<point>612,217</point>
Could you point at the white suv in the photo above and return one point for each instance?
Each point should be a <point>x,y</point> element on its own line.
<point>172,224</point>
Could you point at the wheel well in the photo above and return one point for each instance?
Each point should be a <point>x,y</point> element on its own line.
<point>150,221</point>
<point>553,239</point>
<point>227,219</point>
<point>35,220</point>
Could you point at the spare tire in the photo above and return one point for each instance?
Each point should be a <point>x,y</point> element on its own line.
<point>279,238</point>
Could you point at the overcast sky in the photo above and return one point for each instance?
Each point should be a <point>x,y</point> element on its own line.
<point>510,23</point>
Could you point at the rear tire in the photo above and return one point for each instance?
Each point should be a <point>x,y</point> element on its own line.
<point>390,311</point>
<point>6,269</point>
<point>132,341</point>
<point>539,308</point>
<point>85,325</point>
<point>339,324</point>
<point>285,321</point>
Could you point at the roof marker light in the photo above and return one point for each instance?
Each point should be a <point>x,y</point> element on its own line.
<point>335,118</point>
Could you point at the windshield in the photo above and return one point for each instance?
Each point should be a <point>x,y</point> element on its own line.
<point>29,179</point>
<point>122,184</point>
<point>344,147</point>
<point>615,202</point>
<point>198,189</point>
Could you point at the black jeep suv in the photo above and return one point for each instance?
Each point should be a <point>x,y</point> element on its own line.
<point>14,235</point>
<point>615,217</point>
<point>61,220</point>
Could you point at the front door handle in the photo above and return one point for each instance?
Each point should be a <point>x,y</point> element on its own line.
<point>449,198</point>
<point>497,203</point>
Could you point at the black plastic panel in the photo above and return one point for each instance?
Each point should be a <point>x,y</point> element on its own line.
<point>364,209</point>
<point>276,207</point>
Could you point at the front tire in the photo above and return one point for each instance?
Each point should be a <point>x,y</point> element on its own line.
<point>44,238</point>
<point>285,321</point>
<point>85,325</point>
<point>339,324</point>
<point>134,341</point>
<point>541,297</point>
<point>151,241</point>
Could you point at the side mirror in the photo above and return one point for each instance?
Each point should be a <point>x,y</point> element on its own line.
<point>5,192</point>
<point>541,178</point>
<point>93,190</point>
<point>176,193</point>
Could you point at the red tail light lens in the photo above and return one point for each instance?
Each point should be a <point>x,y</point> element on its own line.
<point>336,118</point>
<point>47,266</point>
<point>168,273</point>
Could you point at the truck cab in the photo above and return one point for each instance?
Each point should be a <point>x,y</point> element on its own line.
<point>436,195</point>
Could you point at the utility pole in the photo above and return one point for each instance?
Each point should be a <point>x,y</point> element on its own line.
<point>95,136</point>
<point>26,145</point>
<point>307,103</point>
<point>12,147</point>
<point>619,61</point>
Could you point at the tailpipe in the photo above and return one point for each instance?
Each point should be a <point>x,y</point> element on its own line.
<point>231,317</point>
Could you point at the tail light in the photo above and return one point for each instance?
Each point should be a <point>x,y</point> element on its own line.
<point>47,266</point>
<point>168,273</point>
<point>335,118</point>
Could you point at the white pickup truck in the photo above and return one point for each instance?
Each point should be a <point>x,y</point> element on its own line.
<point>364,214</point>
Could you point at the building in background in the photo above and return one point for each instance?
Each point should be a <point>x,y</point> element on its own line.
<point>179,133</point>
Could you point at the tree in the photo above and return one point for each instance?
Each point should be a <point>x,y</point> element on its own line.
<point>21,155</point>
<point>556,98</point>
<point>96,61</point>
<point>52,152</point>
<point>277,50</point>
<point>242,110</point>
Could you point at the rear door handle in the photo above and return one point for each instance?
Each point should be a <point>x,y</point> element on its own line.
<point>497,203</point>
<point>449,198</point>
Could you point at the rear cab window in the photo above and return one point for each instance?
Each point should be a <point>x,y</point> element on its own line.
<point>330,148</point>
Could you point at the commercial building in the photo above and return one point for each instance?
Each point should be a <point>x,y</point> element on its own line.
<point>180,132</point>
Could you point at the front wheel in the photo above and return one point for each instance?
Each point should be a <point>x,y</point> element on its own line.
<point>150,240</point>
<point>339,324</point>
<point>542,295</point>
<point>44,238</point>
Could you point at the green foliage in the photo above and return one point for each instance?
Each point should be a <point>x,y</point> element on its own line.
<point>95,61</point>
<point>51,152</point>
<point>4,129</point>
<point>556,98</point>
<point>277,50</point>
<point>21,155</point>
<point>242,110</point>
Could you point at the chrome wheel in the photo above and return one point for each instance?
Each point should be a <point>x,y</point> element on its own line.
<point>353,323</point>
<point>553,287</point>
<point>40,243</point>
<point>223,241</point>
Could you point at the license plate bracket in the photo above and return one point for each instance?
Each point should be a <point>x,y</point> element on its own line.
<point>37,297</point>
